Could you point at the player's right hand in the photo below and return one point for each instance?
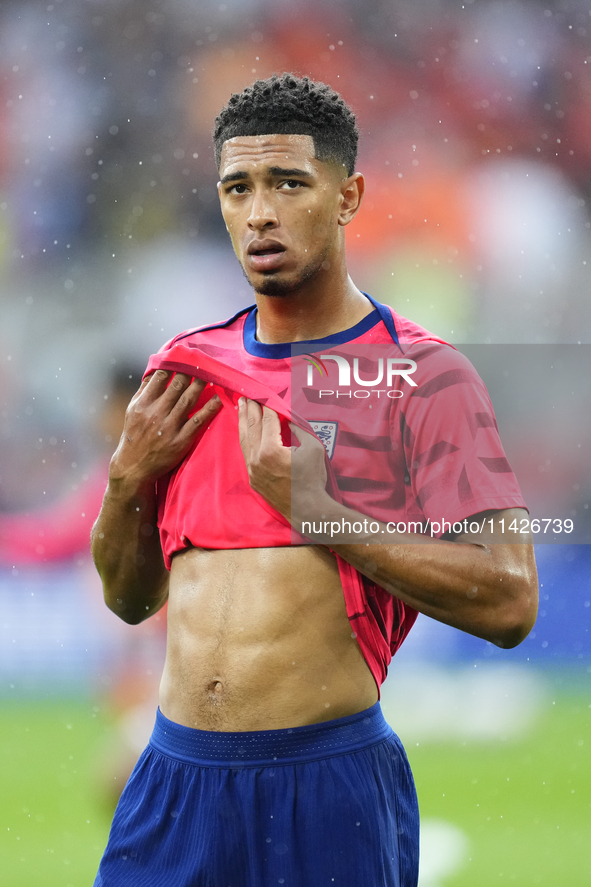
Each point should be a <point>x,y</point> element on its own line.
<point>159,429</point>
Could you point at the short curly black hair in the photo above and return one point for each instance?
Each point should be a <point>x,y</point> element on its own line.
<point>290,105</point>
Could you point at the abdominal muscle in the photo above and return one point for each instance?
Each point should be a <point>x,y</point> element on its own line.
<point>259,639</point>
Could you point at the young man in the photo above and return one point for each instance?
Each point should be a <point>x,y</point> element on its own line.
<point>270,762</point>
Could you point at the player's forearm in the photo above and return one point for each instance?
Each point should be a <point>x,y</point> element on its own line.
<point>487,589</point>
<point>126,549</point>
<point>160,427</point>
<point>480,589</point>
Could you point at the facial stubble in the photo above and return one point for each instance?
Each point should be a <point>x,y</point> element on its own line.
<point>272,285</point>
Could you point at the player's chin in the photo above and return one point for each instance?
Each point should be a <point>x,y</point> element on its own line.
<point>275,286</point>
<point>273,283</point>
<point>281,283</point>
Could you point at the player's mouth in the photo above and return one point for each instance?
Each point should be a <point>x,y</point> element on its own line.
<point>265,255</point>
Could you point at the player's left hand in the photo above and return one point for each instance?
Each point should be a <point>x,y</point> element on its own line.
<point>291,479</point>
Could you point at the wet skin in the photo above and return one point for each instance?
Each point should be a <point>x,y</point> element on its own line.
<point>257,638</point>
<point>260,639</point>
<point>286,213</point>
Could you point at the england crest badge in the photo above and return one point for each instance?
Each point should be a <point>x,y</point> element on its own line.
<point>327,432</point>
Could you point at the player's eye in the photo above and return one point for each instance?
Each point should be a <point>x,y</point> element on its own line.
<point>239,188</point>
<point>292,184</point>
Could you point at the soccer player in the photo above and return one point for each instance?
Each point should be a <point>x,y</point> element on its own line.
<point>270,762</point>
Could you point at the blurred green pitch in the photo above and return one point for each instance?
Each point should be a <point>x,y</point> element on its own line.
<point>525,806</point>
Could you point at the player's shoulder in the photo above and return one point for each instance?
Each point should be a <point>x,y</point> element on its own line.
<point>434,354</point>
<point>211,333</point>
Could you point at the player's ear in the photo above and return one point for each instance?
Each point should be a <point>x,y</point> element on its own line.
<point>352,191</point>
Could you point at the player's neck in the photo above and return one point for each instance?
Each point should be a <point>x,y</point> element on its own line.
<point>313,312</point>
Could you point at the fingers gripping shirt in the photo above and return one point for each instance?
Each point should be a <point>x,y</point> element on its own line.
<point>433,453</point>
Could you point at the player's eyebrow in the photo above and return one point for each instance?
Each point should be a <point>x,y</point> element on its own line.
<point>288,173</point>
<point>233,177</point>
<point>278,171</point>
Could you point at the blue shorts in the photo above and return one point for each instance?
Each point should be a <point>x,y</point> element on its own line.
<point>325,805</point>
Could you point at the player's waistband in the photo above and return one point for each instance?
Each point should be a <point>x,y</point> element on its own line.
<point>270,747</point>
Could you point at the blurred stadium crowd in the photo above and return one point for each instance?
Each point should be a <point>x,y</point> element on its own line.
<point>476,144</point>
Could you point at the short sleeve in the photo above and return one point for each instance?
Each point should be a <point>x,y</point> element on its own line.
<point>456,465</point>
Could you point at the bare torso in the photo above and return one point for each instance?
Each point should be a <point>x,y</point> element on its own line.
<point>259,639</point>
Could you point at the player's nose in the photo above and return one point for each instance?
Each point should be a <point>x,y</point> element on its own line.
<point>262,212</point>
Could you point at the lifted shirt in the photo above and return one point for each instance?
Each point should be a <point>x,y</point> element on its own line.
<point>421,454</point>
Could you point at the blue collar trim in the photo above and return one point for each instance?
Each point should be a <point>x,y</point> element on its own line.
<point>282,350</point>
